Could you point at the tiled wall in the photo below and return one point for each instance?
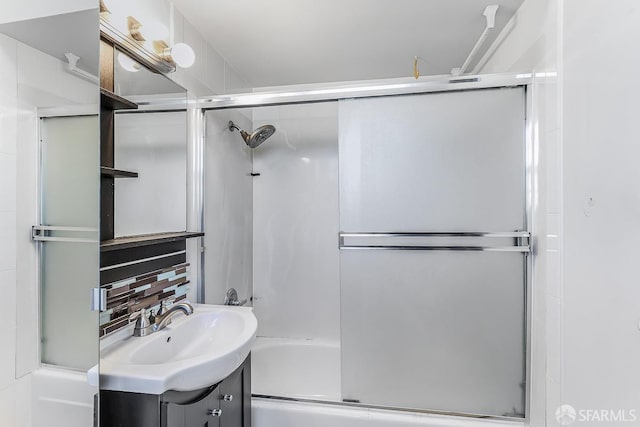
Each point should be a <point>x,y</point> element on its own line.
<point>147,291</point>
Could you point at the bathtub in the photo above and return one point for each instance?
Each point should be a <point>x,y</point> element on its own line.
<point>287,374</point>
<point>61,398</point>
<point>302,369</point>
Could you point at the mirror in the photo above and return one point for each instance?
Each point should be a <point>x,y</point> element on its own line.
<point>152,142</point>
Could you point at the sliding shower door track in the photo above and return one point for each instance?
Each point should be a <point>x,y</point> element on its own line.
<point>369,89</point>
<point>515,420</point>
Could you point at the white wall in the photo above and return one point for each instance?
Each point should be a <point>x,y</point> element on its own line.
<point>295,201</point>
<point>9,386</point>
<point>531,43</point>
<point>601,296</point>
<point>20,10</point>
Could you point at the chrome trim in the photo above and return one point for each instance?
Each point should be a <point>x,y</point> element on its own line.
<point>63,239</point>
<point>214,412</point>
<point>376,88</point>
<point>515,420</point>
<point>64,228</point>
<point>531,184</point>
<point>40,233</point>
<point>140,261</point>
<point>98,299</point>
<point>515,234</point>
<point>523,249</point>
<point>196,192</point>
<point>520,239</point>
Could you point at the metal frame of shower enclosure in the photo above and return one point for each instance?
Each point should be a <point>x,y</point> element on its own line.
<point>524,241</point>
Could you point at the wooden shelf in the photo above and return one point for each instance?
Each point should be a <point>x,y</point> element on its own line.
<point>112,101</point>
<point>146,240</point>
<point>117,173</point>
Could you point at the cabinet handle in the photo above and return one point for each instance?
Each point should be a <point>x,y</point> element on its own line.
<point>227,397</point>
<point>215,412</point>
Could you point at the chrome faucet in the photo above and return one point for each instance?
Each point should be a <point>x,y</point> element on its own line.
<point>164,319</point>
<point>145,326</point>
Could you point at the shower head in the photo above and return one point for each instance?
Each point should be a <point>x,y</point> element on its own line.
<point>255,138</point>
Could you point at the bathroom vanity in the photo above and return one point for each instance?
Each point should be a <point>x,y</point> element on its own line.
<point>226,404</point>
<point>195,372</point>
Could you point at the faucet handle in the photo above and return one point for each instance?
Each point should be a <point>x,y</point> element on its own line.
<point>231,298</point>
<point>143,325</point>
<point>162,308</point>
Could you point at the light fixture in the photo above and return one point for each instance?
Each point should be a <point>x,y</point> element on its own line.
<point>180,53</point>
<point>127,63</point>
<point>143,32</point>
<point>104,11</point>
<point>134,26</point>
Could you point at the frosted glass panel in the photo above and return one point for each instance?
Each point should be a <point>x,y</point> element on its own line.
<point>70,174</point>
<point>70,197</point>
<point>440,162</point>
<point>434,330</point>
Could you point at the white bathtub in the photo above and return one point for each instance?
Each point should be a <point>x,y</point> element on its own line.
<point>61,398</point>
<point>310,370</point>
<point>297,368</point>
<point>281,413</point>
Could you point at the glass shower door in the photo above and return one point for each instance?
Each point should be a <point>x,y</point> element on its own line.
<point>68,237</point>
<point>433,251</point>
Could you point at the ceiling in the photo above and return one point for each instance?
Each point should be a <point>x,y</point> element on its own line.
<point>51,35</point>
<point>280,42</point>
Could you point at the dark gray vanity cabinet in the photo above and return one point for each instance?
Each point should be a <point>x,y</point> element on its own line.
<point>227,404</point>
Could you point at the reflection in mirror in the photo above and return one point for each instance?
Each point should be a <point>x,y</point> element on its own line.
<point>145,87</point>
<point>49,137</point>
<point>153,144</point>
<point>143,194</point>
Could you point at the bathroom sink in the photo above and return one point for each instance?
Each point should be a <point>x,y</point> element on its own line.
<point>193,352</point>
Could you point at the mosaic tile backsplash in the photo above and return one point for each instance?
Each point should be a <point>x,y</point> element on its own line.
<point>145,291</point>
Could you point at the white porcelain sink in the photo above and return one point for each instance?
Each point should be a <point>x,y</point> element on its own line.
<point>193,352</point>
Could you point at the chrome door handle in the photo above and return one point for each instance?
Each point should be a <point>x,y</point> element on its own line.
<point>215,412</point>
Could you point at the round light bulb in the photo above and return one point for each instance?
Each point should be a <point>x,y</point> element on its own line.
<point>183,55</point>
<point>127,63</point>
